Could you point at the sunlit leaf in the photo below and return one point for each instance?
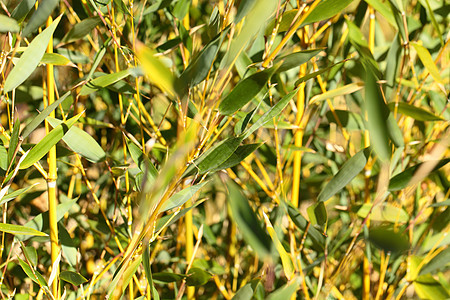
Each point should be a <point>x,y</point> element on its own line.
<point>30,58</point>
<point>53,137</point>
<point>384,212</point>
<point>181,197</point>
<point>20,230</point>
<point>8,24</point>
<point>81,142</point>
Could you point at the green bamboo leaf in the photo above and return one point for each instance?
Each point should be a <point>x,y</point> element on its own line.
<point>271,113</point>
<point>129,272</point>
<point>393,60</point>
<point>395,134</point>
<point>80,30</point>
<point>156,71</point>
<point>8,24</point>
<point>427,287</point>
<point>284,292</point>
<point>148,271</point>
<point>40,222</point>
<point>197,277</point>
<point>143,162</point>
<point>56,59</point>
<point>384,10</point>
<point>428,62</point>
<point>401,180</point>
<point>72,277</point>
<point>433,20</point>
<point>340,91</point>
<point>14,195</point>
<point>388,239</point>
<point>286,21</point>
<point>378,114</point>
<point>317,73</point>
<point>199,67</point>
<point>245,91</point>
<point>53,137</point>
<point>22,9</point>
<point>384,212</point>
<point>239,155</point>
<point>244,293</point>
<point>243,9</point>
<point>182,197</point>
<point>3,158</point>
<point>104,81</point>
<point>349,170</point>
<point>325,10</point>
<point>417,113</point>
<point>214,156</point>
<point>33,274</point>
<point>20,230</point>
<point>81,142</point>
<point>31,255</point>
<point>181,9</point>
<point>439,262</point>
<point>170,219</point>
<point>295,59</point>
<point>44,114</point>
<point>317,238</point>
<point>13,142</point>
<point>30,58</point>
<point>39,17</point>
<point>247,222</point>
<point>68,246</point>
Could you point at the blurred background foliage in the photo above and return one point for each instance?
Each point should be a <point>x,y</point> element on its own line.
<point>224,149</point>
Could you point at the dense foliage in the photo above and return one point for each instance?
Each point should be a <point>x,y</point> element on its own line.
<point>252,149</point>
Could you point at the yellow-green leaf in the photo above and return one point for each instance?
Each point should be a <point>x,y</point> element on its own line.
<point>8,24</point>
<point>22,230</point>
<point>428,62</point>
<point>30,58</point>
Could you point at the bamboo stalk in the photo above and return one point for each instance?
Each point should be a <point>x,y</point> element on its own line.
<point>52,175</point>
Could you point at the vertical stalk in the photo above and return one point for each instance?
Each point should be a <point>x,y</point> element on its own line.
<point>52,174</point>
<point>298,137</point>
<point>189,248</point>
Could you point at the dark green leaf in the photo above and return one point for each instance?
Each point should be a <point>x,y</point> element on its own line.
<point>389,239</point>
<point>295,59</point>
<point>14,142</point>
<point>39,17</point>
<point>247,222</point>
<point>414,112</point>
<point>317,73</point>
<point>245,91</point>
<point>81,29</point>
<point>239,155</point>
<point>32,274</point>
<point>349,170</point>
<point>22,9</point>
<point>401,180</point>
<point>72,277</point>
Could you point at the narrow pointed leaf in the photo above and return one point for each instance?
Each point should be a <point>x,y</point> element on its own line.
<point>284,292</point>
<point>349,170</point>
<point>340,91</point>
<point>53,137</point>
<point>20,230</point>
<point>197,277</point>
<point>32,274</point>
<point>245,91</point>
<point>44,114</point>
<point>156,71</point>
<point>401,180</point>
<point>81,29</point>
<point>295,59</point>
<point>39,17</point>
<point>239,155</point>
<point>30,58</point>
<point>14,195</point>
<point>81,142</point>
<point>72,277</point>
<point>325,10</point>
<point>247,222</point>
<point>389,239</point>
<point>417,113</point>
<point>104,81</point>
<point>271,113</point>
<point>428,62</point>
<point>22,9</point>
<point>182,197</point>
